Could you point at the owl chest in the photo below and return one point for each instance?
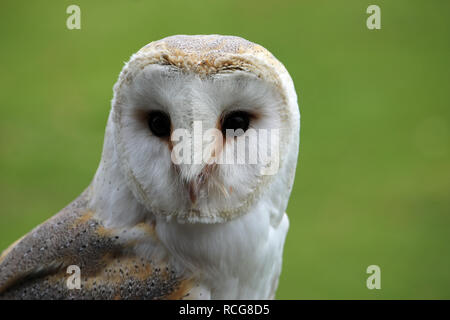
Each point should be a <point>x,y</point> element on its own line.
<point>236,260</point>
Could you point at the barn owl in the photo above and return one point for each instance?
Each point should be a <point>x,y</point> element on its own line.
<point>148,228</point>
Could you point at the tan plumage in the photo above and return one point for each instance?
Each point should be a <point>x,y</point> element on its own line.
<point>35,266</point>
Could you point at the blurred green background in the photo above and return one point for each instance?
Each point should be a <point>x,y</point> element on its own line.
<point>373,181</point>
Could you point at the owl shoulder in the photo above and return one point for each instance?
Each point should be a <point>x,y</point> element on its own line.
<point>74,256</point>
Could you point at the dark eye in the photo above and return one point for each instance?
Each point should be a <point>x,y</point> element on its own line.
<point>236,120</point>
<point>159,123</point>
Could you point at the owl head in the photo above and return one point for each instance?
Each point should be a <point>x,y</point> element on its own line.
<point>200,128</point>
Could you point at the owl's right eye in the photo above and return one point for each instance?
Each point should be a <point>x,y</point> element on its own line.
<point>159,123</point>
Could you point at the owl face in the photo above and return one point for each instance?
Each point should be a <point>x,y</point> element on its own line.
<point>196,146</point>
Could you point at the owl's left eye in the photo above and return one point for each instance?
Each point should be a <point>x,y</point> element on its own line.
<point>159,123</point>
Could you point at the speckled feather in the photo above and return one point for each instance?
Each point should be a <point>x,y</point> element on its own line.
<point>35,267</point>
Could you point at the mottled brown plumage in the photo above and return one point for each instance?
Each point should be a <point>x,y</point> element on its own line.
<point>35,267</point>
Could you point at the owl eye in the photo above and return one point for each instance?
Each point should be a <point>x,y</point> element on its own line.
<point>236,120</point>
<point>159,123</point>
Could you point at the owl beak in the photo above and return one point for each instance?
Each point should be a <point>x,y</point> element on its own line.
<point>193,191</point>
<point>189,176</point>
<point>195,185</point>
